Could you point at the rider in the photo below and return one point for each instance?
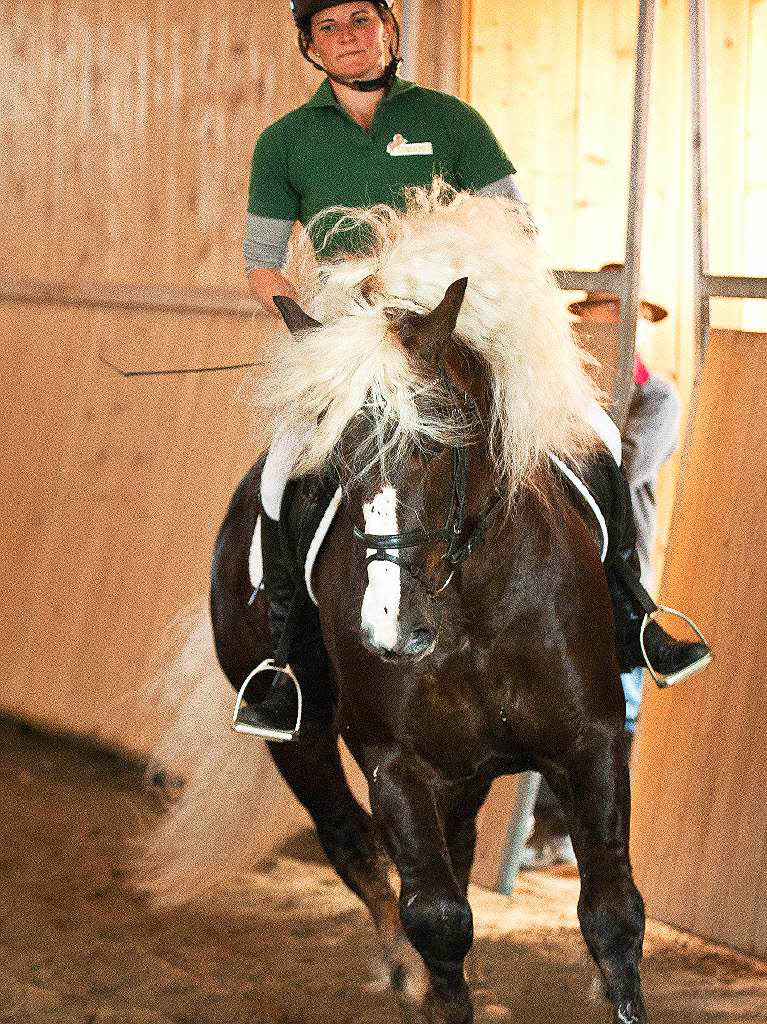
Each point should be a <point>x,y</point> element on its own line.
<point>364,135</point>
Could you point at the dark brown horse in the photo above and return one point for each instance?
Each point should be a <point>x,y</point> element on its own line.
<point>464,631</point>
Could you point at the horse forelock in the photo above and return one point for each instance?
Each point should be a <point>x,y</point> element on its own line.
<point>513,317</point>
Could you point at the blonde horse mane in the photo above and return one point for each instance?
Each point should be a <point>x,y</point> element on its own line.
<point>512,317</point>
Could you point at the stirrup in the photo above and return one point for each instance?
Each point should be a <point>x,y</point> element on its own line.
<point>266,732</point>
<point>682,673</point>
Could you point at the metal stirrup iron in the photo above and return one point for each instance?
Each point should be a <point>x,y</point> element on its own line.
<point>683,673</point>
<point>240,724</point>
<point>651,609</point>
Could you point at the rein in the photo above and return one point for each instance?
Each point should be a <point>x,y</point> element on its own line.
<point>385,544</point>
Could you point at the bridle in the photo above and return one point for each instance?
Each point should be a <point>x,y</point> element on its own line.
<point>385,546</point>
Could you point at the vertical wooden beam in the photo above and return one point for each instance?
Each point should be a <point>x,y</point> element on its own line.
<point>432,41</point>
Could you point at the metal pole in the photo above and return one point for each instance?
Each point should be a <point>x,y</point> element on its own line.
<point>699,211</point>
<point>630,289</point>
<point>524,803</point>
<point>699,112</point>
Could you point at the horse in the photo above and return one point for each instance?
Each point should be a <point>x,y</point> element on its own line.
<point>463,627</point>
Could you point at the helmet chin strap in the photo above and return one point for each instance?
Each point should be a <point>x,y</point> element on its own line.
<point>369,85</point>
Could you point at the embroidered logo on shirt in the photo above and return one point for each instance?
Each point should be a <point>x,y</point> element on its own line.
<point>399,146</point>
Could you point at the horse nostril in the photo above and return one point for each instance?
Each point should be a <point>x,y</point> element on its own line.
<point>419,641</point>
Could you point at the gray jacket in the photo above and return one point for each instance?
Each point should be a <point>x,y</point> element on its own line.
<point>650,437</point>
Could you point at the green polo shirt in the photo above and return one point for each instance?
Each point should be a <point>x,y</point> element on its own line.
<point>317,156</point>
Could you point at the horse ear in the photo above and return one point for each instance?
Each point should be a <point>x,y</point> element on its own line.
<point>430,332</point>
<point>295,318</point>
<point>446,313</point>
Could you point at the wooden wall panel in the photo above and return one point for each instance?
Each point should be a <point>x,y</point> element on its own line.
<point>432,38</point>
<point>114,490</point>
<point>513,49</point>
<point>556,84</point>
<point>699,823</point>
<point>604,99</point>
<point>738,139</point>
<point>130,128</point>
<point>729,74</point>
<point>755,262</point>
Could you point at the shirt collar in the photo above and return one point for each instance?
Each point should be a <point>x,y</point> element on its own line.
<point>325,97</point>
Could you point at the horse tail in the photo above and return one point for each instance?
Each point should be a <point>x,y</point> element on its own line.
<point>221,805</point>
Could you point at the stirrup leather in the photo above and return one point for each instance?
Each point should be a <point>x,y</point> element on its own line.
<point>266,733</point>
<point>683,673</point>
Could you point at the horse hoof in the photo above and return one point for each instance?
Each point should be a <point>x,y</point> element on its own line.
<point>630,1013</point>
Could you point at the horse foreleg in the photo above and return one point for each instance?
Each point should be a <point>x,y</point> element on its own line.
<point>312,769</point>
<point>433,907</point>
<point>461,836</point>
<point>610,908</point>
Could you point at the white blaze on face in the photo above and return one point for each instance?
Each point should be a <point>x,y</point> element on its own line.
<point>380,605</point>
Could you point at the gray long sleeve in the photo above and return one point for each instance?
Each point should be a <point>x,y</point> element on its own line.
<point>506,187</point>
<point>651,433</point>
<point>266,242</point>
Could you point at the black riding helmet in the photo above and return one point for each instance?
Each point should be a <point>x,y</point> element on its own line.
<point>302,15</point>
<point>304,9</point>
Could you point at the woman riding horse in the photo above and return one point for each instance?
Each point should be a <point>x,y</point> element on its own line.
<point>364,135</point>
<point>463,621</point>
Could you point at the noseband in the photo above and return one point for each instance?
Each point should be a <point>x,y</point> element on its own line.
<point>385,545</point>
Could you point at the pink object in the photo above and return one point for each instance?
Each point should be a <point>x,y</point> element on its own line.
<point>641,373</point>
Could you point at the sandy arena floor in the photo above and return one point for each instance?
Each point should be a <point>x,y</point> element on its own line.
<point>289,944</point>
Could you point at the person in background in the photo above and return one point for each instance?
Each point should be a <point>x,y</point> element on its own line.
<point>649,438</point>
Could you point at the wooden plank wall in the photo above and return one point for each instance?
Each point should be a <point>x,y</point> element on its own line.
<point>556,83</point>
<point>130,129</point>
<point>127,130</point>
<point>433,40</point>
<point>699,818</point>
<point>113,492</point>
